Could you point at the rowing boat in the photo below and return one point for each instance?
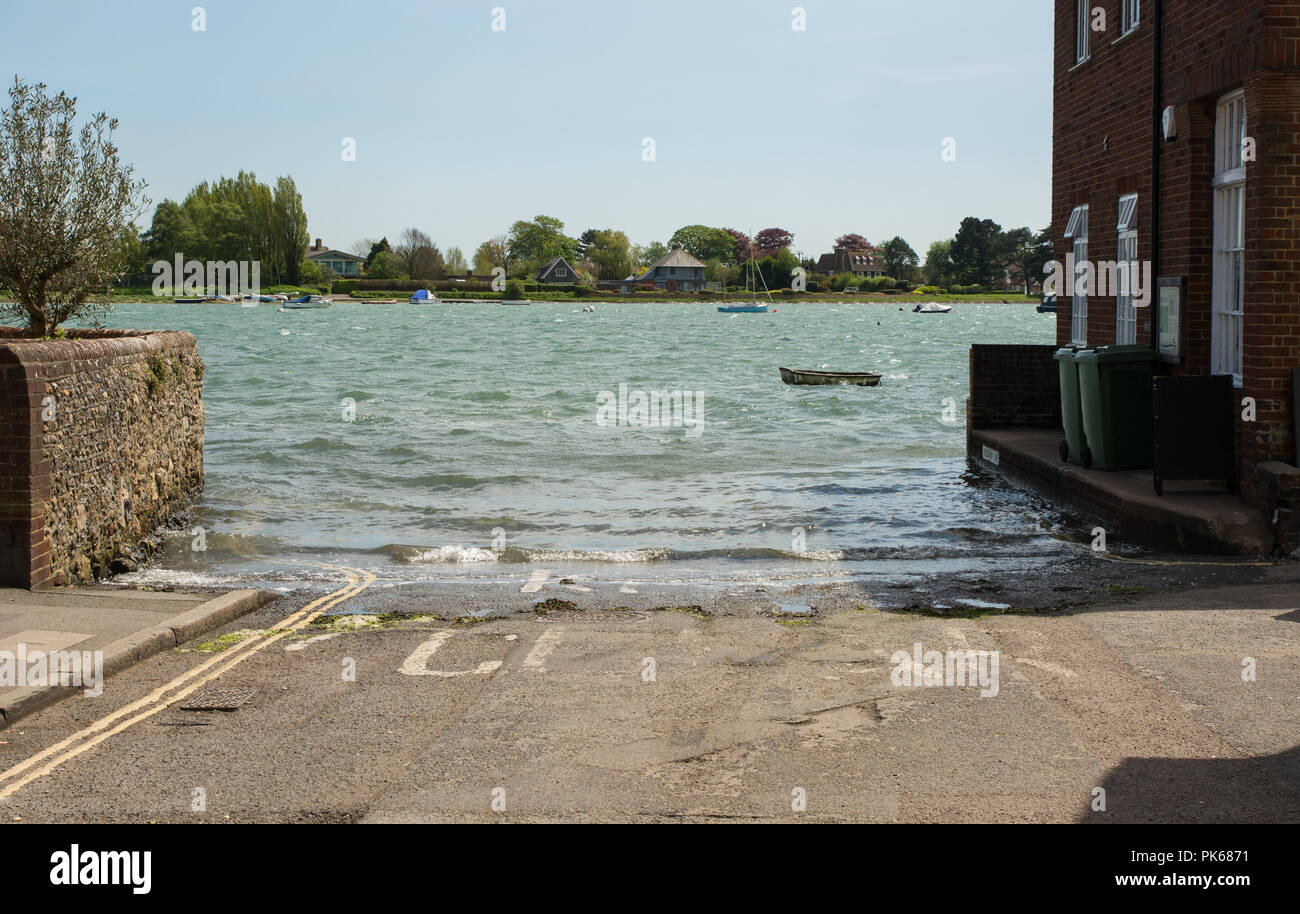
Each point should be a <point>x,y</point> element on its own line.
<point>807,376</point>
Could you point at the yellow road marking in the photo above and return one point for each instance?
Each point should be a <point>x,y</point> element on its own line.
<point>73,746</point>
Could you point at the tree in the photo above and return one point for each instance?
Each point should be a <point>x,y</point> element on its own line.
<point>654,251</point>
<point>741,245</point>
<point>376,248</point>
<point>455,262</point>
<point>495,252</point>
<point>386,265</point>
<point>976,251</point>
<point>853,242</point>
<point>1026,253</point>
<point>533,243</point>
<point>704,242</point>
<point>418,255</point>
<point>288,231</point>
<point>938,269</point>
<point>899,258</point>
<point>65,201</point>
<point>171,232</point>
<point>772,240</point>
<point>610,254</point>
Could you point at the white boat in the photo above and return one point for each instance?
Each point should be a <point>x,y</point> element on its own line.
<point>932,308</point>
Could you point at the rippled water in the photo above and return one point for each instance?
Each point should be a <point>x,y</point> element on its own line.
<point>475,449</point>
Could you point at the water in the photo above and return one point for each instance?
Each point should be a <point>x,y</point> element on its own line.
<point>475,452</point>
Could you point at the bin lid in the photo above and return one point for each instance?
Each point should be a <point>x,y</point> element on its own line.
<point>1128,353</point>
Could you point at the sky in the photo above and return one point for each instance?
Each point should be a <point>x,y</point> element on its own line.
<point>460,128</point>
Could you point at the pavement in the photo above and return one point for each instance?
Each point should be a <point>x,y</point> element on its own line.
<point>568,700</point>
<point>121,625</point>
<point>1189,517</point>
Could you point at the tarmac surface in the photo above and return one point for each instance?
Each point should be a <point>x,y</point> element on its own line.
<point>1123,691</point>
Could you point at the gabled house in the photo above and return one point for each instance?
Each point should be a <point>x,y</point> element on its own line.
<point>341,262</point>
<point>675,271</point>
<point>557,272</point>
<point>859,263</point>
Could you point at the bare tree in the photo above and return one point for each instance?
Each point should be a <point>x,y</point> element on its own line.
<point>65,201</point>
<point>419,256</point>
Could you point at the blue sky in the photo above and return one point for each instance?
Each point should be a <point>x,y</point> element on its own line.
<point>460,129</point>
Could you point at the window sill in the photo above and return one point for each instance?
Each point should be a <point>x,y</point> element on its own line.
<point>1079,64</point>
<point>1132,31</point>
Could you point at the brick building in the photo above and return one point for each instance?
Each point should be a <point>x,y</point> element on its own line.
<point>1193,105</point>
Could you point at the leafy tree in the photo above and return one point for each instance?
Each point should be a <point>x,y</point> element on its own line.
<point>938,269</point>
<point>741,246</point>
<point>772,240</point>
<point>386,265</point>
<point>853,242</point>
<point>495,252</point>
<point>1026,253</point>
<point>976,251</point>
<point>455,262</point>
<point>704,242</point>
<point>309,273</point>
<point>610,254</point>
<point>288,231</point>
<point>531,244</point>
<point>376,248</point>
<point>65,201</point>
<point>654,251</point>
<point>899,258</point>
<point>170,234</point>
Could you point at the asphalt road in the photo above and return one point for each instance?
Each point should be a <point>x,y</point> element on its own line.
<point>441,703</point>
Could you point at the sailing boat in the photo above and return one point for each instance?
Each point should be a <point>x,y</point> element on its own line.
<point>754,307</point>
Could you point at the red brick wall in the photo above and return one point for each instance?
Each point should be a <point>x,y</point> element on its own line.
<point>1013,385</point>
<point>1102,147</point>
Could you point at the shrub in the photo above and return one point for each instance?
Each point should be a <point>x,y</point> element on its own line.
<point>344,286</point>
<point>514,289</point>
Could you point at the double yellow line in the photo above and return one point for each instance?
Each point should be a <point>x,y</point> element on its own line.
<point>89,737</point>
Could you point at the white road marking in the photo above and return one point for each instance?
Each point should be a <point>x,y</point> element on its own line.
<point>299,645</point>
<point>1050,667</point>
<point>535,582</point>
<point>546,643</point>
<point>416,664</point>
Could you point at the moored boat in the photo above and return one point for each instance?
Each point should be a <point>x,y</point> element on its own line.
<point>810,376</point>
<point>743,309</point>
<point>932,308</point>
<point>306,301</point>
<point>423,297</point>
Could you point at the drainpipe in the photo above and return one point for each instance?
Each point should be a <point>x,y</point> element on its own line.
<point>1157,142</point>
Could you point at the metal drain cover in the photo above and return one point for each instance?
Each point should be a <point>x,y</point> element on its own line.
<point>219,699</point>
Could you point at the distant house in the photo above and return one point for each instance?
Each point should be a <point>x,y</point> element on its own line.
<point>859,263</point>
<point>675,271</point>
<point>341,262</point>
<point>557,272</point>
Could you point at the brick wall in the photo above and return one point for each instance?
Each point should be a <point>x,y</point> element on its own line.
<point>1103,131</point>
<point>102,443</point>
<point>1013,386</point>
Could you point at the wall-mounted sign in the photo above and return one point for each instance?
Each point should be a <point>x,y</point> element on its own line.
<point>1169,309</point>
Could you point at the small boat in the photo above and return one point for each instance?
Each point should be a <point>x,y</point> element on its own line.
<point>743,309</point>
<point>932,308</point>
<point>305,301</point>
<point>423,297</point>
<point>189,301</point>
<point>1047,305</point>
<point>808,376</point>
<point>255,299</point>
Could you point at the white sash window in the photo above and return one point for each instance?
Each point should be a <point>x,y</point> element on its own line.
<point>1228,295</point>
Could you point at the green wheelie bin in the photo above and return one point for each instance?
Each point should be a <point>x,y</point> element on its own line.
<point>1071,413</point>
<point>1115,384</point>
